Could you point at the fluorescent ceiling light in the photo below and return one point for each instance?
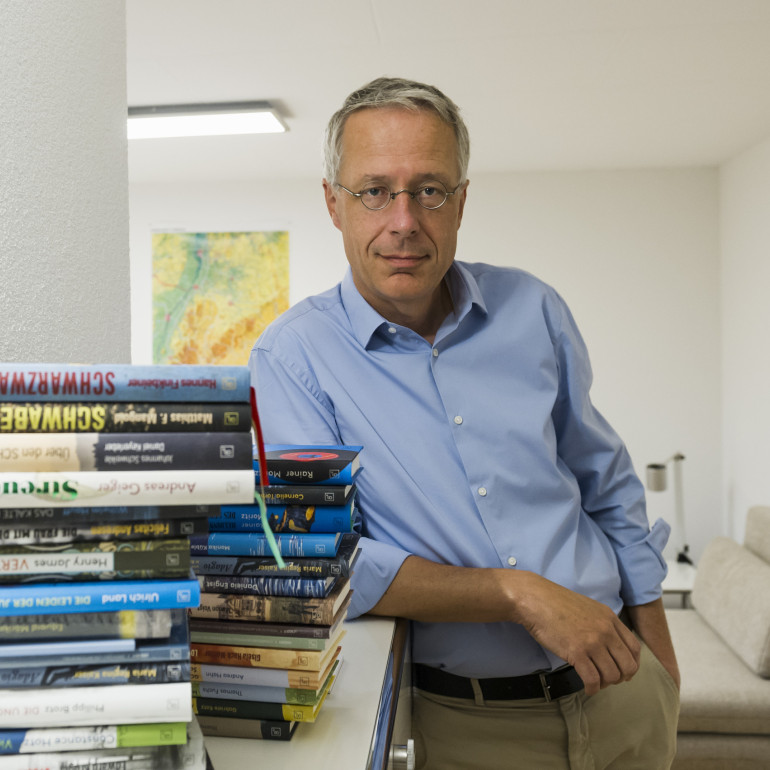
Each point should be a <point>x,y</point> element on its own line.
<point>203,120</point>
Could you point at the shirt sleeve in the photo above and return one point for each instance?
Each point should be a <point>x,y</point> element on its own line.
<point>611,492</point>
<point>294,410</point>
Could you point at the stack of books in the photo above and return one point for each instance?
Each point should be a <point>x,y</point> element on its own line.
<point>266,639</point>
<point>105,473</point>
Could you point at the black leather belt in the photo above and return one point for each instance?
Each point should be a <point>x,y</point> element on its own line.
<point>547,684</point>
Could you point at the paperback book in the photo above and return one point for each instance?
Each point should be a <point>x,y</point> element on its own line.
<point>286,518</point>
<point>255,729</point>
<point>267,586</point>
<point>323,544</point>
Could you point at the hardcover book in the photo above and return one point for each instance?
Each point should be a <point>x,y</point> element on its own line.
<point>49,516</point>
<point>286,518</point>
<point>276,609</point>
<point>46,598</point>
<point>76,452</point>
<point>341,565</point>
<point>89,560</point>
<point>266,586</point>
<point>123,382</point>
<point>308,494</point>
<point>89,675</point>
<point>118,417</point>
<point>256,544</point>
<point>255,675</point>
<point>295,464</point>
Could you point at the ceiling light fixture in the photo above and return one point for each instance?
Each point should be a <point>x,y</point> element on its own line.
<point>227,118</point>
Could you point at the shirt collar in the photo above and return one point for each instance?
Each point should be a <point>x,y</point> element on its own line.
<point>365,320</point>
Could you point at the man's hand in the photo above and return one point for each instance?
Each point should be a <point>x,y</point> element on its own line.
<point>580,630</point>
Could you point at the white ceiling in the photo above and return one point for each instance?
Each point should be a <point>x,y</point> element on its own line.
<point>542,84</point>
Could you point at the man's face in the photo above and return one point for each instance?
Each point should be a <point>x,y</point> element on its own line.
<point>398,255</point>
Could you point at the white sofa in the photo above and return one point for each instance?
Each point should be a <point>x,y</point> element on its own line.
<point>723,647</point>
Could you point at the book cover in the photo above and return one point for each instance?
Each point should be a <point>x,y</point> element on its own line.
<point>305,464</point>
<point>73,706</point>
<point>255,675</point>
<point>58,532</point>
<point>276,609</point>
<point>279,635</point>
<point>266,586</point>
<point>89,675</point>
<point>256,544</point>
<point>340,565</point>
<point>45,598</point>
<point>54,739</point>
<point>308,494</point>
<point>123,382</point>
<point>286,518</point>
<point>122,624</point>
<point>255,729</point>
<point>47,516</point>
<point>89,560</point>
<point>174,647</point>
<point>104,488</point>
<point>267,657</point>
<point>120,417</point>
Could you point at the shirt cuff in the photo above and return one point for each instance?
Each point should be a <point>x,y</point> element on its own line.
<point>642,566</point>
<point>374,570</point>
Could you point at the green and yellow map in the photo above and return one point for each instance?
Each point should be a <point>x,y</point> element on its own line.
<point>214,293</point>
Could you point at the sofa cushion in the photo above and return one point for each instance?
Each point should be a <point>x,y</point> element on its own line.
<point>719,693</point>
<point>732,594</point>
<point>757,538</point>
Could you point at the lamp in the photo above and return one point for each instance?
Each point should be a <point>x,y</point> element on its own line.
<point>226,118</point>
<point>657,481</point>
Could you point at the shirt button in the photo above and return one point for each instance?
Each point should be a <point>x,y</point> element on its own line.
<point>512,561</point>
<point>458,420</point>
<point>435,353</point>
<point>483,491</point>
<point>392,329</point>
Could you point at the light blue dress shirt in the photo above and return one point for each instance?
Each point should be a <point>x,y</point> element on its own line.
<point>481,450</point>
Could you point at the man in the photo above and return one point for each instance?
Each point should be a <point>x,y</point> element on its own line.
<point>501,512</point>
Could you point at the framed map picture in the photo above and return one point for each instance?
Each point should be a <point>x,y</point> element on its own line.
<point>214,293</point>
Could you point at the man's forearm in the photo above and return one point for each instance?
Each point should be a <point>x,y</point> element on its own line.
<point>649,621</point>
<point>578,629</point>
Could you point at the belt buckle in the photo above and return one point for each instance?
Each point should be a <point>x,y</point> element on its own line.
<point>545,685</point>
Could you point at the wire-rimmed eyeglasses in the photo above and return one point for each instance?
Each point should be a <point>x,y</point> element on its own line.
<point>431,195</point>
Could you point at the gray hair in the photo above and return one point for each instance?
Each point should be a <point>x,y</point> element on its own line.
<point>394,92</point>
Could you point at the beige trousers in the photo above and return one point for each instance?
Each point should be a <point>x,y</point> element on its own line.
<point>630,726</point>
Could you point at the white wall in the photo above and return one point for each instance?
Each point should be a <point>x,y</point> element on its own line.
<point>634,253</point>
<point>745,222</point>
<point>63,182</point>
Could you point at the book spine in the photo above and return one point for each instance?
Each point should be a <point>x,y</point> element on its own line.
<point>85,676</point>
<point>22,535</point>
<point>255,729</point>
<point>86,560</point>
<point>274,631</point>
<point>240,709</point>
<point>231,655</point>
<point>74,706</point>
<point>86,488</point>
<point>123,382</point>
<point>255,544</point>
<point>102,514</point>
<point>265,586</point>
<point>276,609</point>
<point>307,494</point>
<point>126,624</point>
<point>77,452</point>
<point>271,677</point>
<point>45,598</point>
<point>119,417</point>
<point>256,566</point>
<point>257,640</point>
<point>255,693</point>
<point>56,739</point>
<point>284,518</point>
